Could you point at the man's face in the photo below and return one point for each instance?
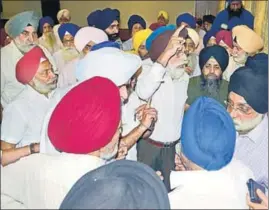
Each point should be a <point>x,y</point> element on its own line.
<point>68,41</point>
<point>47,28</point>
<point>142,51</point>
<point>244,116</point>
<point>212,69</point>
<point>235,6</point>
<point>45,80</point>
<point>211,42</point>
<point>239,55</point>
<point>113,28</point>
<point>27,39</point>
<point>161,20</point>
<point>189,46</point>
<point>64,20</point>
<point>136,27</point>
<point>207,26</point>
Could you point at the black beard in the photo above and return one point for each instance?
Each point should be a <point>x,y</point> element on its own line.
<point>236,13</point>
<point>113,37</point>
<point>211,85</point>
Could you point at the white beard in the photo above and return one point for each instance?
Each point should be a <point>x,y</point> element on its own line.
<point>175,73</point>
<point>69,54</point>
<point>247,125</point>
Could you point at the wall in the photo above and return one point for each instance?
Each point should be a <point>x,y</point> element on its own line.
<point>81,9</point>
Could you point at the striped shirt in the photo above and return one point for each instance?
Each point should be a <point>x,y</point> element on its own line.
<point>252,150</point>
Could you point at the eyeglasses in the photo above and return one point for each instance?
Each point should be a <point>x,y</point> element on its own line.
<point>243,109</point>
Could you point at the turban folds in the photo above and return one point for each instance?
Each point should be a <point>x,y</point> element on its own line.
<point>28,65</point>
<point>226,37</point>
<point>136,19</point>
<point>186,18</point>
<point>247,39</point>
<point>140,37</point>
<point>63,13</point>
<point>141,187</point>
<point>93,17</point>
<point>45,20</point>
<point>87,34</point>
<point>193,36</point>
<point>16,24</point>
<point>67,27</point>
<point>108,62</point>
<point>208,35</point>
<point>252,84</point>
<point>217,52</point>
<point>258,60</point>
<point>208,134</point>
<point>106,18</point>
<point>164,14</point>
<point>94,113</point>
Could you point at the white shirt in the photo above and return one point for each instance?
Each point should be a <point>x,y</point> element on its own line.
<point>42,181</point>
<point>129,122</point>
<point>128,45</point>
<point>23,118</point>
<point>168,98</point>
<point>55,31</point>
<point>231,68</point>
<point>10,87</point>
<point>222,189</point>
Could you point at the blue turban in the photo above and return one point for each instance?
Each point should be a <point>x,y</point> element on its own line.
<point>208,18</point>
<point>208,35</point>
<point>45,20</point>
<point>136,19</point>
<point>258,60</point>
<point>234,21</point>
<point>252,84</point>
<point>156,33</point>
<point>217,52</point>
<point>122,184</point>
<point>68,27</point>
<point>106,17</point>
<point>93,17</point>
<point>105,44</point>
<point>208,134</point>
<point>230,1</point>
<point>187,18</point>
<point>16,24</point>
<point>118,14</point>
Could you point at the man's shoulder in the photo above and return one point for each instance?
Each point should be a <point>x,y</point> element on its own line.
<point>195,81</point>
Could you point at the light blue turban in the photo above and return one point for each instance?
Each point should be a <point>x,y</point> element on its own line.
<point>17,23</point>
<point>208,134</point>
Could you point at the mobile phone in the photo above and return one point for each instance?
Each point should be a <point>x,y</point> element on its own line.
<point>252,188</point>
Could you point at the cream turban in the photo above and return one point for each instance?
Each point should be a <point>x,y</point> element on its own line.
<point>194,36</point>
<point>63,13</point>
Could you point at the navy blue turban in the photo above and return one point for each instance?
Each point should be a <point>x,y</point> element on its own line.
<point>208,134</point>
<point>105,44</point>
<point>208,35</point>
<point>208,18</point>
<point>217,52</point>
<point>251,82</point>
<point>106,18</point>
<point>187,18</point>
<point>45,20</point>
<point>68,27</point>
<point>93,17</point>
<point>136,19</point>
<point>117,14</point>
<point>122,184</point>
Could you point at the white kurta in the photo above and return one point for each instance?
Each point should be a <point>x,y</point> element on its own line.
<point>42,181</point>
<point>231,68</point>
<point>168,98</point>
<point>128,45</point>
<point>67,77</point>
<point>223,189</point>
<point>10,87</point>
<point>58,40</point>
<point>23,118</point>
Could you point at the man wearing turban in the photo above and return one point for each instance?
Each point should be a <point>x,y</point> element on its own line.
<point>186,19</point>
<point>22,29</point>
<point>234,9</point>
<point>208,171</point>
<point>135,24</point>
<point>247,104</point>
<point>208,21</point>
<point>213,61</point>
<point>162,20</point>
<point>23,118</point>
<point>85,137</point>
<point>63,16</point>
<point>243,46</point>
<point>67,32</point>
<point>48,39</point>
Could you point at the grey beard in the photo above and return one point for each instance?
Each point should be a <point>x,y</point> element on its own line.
<point>211,86</point>
<point>24,48</point>
<point>44,88</point>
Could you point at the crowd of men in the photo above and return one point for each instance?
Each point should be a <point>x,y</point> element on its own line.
<point>176,117</point>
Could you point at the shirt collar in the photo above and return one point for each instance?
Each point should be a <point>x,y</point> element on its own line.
<point>33,93</point>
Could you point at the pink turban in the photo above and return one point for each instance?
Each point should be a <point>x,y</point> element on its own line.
<point>226,37</point>
<point>87,117</point>
<point>87,34</point>
<point>27,66</point>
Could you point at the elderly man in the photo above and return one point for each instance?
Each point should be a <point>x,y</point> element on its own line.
<point>248,106</point>
<point>163,84</point>
<point>210,180</point>
<point>23,118</point>
<point>63,16</point>
<point>234,9</point>
<point>135,24</point>
<point>84,40</point>
<point>108,21</point>
<point>213,61</point>
<point>87,136</point>
<point>48,39</point>
<point>22,28</point>
<point>187,20</point>
<point>243,46</point>
<point>116,186</point>
<point>162,20</point>
<point>67,32</point>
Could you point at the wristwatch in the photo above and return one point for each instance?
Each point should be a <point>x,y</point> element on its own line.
<point>32,148</point>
